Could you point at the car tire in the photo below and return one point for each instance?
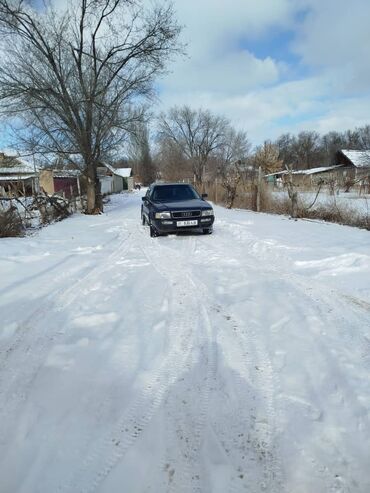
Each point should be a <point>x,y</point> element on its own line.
<point>207,231</point>
<point>153,231</point>
<point>143,221</point>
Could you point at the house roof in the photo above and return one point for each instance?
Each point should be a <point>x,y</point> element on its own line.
<point>311,171</point>
<point>122,172</point>
<point>66,173</point>
<point>17,170</point>
<point>16,177</point>
<point>360,159</point>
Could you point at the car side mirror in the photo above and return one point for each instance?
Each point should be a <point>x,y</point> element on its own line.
<point>204,195</point>
<point>143,199</point>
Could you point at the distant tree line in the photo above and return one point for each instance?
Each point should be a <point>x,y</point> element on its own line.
<point>198,145</point>
<point>309,149</point>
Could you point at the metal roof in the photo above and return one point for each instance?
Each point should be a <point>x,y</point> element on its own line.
<point>11,170</point>
<point>16,178</point>
<point>360,159</point>
<point>122,172</point>
<point>311,171</point>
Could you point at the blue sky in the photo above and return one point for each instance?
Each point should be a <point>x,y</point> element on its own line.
<point>275,66</point>
<point>272,66</point>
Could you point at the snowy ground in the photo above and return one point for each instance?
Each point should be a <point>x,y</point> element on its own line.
<point>351,200</point>
<point>237,362</point>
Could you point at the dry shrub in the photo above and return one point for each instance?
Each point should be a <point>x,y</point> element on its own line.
<point>10,223</point>
<point>246,198</point>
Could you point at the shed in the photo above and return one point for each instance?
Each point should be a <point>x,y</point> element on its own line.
<point>308,177</point>
<point>114,180</point>
<point>357,162</point>
<point>64,182</point>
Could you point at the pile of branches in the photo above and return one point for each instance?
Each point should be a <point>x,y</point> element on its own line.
<point>51,207</point>
<point>16,215</point>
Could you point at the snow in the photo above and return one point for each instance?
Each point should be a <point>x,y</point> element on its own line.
<point>360,159</point>
<point>311,171</point>
<point>122,172</point>
<point>347,200</point>
<point>225,363</point>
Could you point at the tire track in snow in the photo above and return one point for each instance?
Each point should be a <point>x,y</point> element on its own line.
<point>264,439</point>
<point>331,313</point>
<point>187,411</point>
<point>28,351</point>
<point>68,294</point>
<point>107,453</point>
<point>242,343</point>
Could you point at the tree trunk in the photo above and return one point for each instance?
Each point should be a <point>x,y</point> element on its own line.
<point>92,206</point>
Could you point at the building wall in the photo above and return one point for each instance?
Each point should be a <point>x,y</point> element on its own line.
<point>106,185</point>
<point>47,181</point>
<point>64,186</point>
<point>118,184</point>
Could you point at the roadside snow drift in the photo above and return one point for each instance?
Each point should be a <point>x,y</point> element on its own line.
<point>236,362</point>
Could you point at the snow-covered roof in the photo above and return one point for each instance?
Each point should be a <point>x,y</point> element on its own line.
<point>360,159</point>
<point>23,166</point>
<point>122,172</point>
<point>16,177</point>
<point>20,170</point>
<point>66,173</point>
<point>311,171</point>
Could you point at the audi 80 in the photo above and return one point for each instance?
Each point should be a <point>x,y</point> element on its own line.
<point>173,207</point>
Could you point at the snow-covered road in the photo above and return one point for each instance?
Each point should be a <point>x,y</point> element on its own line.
<point>236,362</point>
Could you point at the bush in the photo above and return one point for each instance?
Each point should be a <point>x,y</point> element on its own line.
<point>10,223</point>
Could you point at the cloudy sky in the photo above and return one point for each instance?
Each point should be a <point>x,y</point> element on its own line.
<point>273,66</point>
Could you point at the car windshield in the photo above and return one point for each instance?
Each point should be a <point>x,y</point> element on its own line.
<point>173,193</point>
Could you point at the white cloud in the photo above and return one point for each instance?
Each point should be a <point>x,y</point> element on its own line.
<point>335,37</point>
<point>235,72</point>
<point>331,41</point>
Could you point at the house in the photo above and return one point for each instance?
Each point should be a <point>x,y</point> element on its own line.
<point>355,163</point>
<point>63,182</point>
<point>114,180</point>
<point>17,176</point>
<point>307,178</point>
<point>356,168</point>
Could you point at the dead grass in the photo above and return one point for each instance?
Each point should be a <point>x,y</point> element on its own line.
<point>10,223</point>
<point>246,198</point>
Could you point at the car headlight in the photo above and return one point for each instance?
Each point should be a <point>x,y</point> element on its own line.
<point>163,215</point>
<point>207,212</point>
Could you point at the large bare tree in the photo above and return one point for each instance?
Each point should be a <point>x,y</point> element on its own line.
<point>232,159</point>
<point>197,133</point>
<point>76,79</point>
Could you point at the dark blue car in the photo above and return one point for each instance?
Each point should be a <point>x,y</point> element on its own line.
<point>173,207</point>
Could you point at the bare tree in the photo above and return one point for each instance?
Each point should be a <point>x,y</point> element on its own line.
<point>140,155</point>
<point>267,157</point>
<point>197,133</point>
<point>76,79</point>
<point>232,161</point>
<point>171,162</point>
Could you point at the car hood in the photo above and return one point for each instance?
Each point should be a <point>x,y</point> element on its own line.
<point>183,205</point>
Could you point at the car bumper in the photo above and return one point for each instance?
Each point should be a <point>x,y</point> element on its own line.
<point>171,225</point>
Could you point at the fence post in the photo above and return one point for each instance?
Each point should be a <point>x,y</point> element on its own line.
<point>259,186</point>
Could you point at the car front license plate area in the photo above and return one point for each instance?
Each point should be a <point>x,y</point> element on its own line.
<point>187,223</point>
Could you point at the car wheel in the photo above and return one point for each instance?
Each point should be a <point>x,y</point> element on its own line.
<point>207,231</point>
<point>143,219</point>
<point>153,232</point>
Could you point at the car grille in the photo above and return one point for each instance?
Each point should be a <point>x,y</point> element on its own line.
<point>185,214</point>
